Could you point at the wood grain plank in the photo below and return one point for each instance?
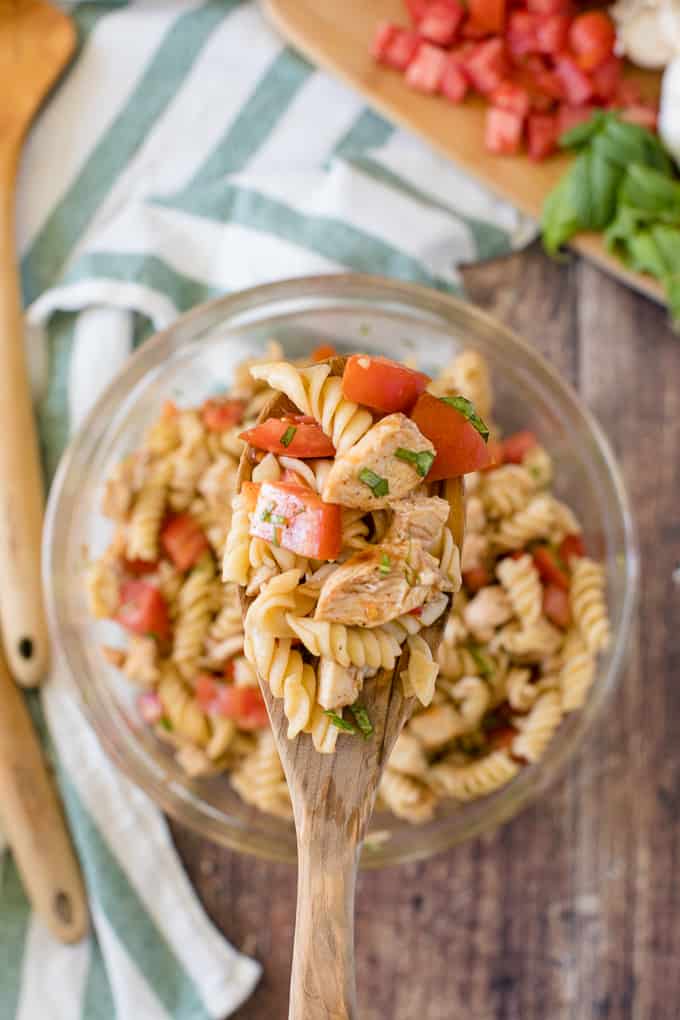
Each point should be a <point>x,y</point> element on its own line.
<point>571,911</point>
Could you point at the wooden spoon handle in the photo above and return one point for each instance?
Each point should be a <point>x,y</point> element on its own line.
<point>33,821</point>
<point>21,498</point>
<point>323,982</point>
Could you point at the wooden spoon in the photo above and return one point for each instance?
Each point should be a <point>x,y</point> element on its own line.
<point>36,43</point>
<point>33,822</point>
<point>333,797</point>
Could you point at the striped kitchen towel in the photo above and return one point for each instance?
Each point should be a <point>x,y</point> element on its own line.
<point>187,152</point>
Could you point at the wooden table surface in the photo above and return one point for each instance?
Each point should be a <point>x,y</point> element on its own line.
<point>572,911</point>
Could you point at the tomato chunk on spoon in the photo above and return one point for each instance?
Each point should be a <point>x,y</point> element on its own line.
<point>294,436</point>
<point>382,384</point>
<point>460,446</point>
<point>296,518</point>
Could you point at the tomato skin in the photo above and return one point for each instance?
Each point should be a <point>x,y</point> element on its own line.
<point>488,14</point>
<point>606,78</point>
<point>510,96</point>
<point>183,540</point>
<point>517,446</point>
<point>571,547</point>
<point>382,384</point>
<point>547,564</point>
<point>552,31</point>
<point>244,705</point>
<point>460,448</point>
<point>487,65</point>
<point>441,21</point>
<point>476,578</point>
<point>143,610</point>
<point>494,449</point>
<point>503,131</point>
<point>308,526</point>
<point>417,9</point>
<point>139,567</point>
<point>454,84</point>
<point>220,415</point>
<point>426,70</point>
<point>591,39</point>
<point>556,606</point>
<point>323,351</point>
<point>541,135</point>
<point>577,86</point>
<point>400,49</point>
<point>309,439</point>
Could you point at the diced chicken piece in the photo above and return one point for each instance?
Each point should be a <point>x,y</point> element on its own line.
<point>490,608</point>
<point>475,548</point>
<point>437,725</point>
<point>377,585</point>
<point>373,458</point>
<point>420,518</point>
<point>408,756</point>
<point>338,685</point>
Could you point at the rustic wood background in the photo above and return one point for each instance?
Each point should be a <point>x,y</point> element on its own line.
<point>572,911</point>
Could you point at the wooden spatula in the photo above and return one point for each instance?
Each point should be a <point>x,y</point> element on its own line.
<point>333,797</point>
<point>36,42</point>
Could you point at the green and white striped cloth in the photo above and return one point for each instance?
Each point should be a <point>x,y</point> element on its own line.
<point>187,153</point>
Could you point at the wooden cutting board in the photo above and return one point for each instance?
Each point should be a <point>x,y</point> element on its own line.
<point>336,34</point>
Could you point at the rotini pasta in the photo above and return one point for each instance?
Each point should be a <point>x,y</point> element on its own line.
<point>588,605</point>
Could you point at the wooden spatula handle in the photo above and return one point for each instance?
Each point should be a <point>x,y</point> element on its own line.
<point>323,983</point>
<point>21,498</point>
<point>32,820</point>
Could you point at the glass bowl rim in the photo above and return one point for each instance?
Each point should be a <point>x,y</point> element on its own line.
<point>225,310</point>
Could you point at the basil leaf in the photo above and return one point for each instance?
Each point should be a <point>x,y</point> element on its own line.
<point>288,436</point>
<point>672,285</point>
<point>340,723</point>
<point>467,409</point>
<point>650,191</point>
<point>378,486</point>
<point>583,133</point>
<point>560,219</point>
<point>422,460</point>
<point>604,183</point>
<point>363,720</point>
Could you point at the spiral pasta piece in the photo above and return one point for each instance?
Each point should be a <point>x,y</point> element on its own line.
<point>538,728</point>
<point>349,646</point>
<point>147,514</point>
<point>185,717</point>
<point>406,796</point>
<point>535,521</point>
<point>419,677</point>
<point>473,779</point>
<point>577,672</point>
<point>259,779</point>
<point>236,562</point>
<point>315,392</point>
<point>588,604</point>
<point>195,605</point>
<point>506,490</point>
<point>522,583</point>
<point>448,554</point>
<point>299,698</point>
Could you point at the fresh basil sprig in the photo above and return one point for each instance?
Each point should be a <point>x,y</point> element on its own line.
<point>467,409</point>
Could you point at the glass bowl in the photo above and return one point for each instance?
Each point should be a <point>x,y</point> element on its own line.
<point>193,359</point>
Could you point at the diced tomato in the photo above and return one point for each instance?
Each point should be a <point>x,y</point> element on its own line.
<point>459,54</point>
<point>221,414</point>
<point>503,131</point>
<point>556,606</point>
<point>454,84</point>
<point>494,449</point>
<point>514,98</point>
<point>569,117</point>
<point>591,39</point>
<point>250,492</point>
<point>571,547</point>
<point>417,8</point>
<point>549,567</point>
<point>323,351</point>
<point>476,578</point>
<point>501,737</point>
<point>487,65</point>
<point>382,384</point>
<point>143,610</point>
<point>549,85</point>
<point>139,567</point>
<point>549,6</point>
<point>551,33</point>
<point>521,33</point>
<point>606,78</point>
<point>474,31</point>
<point>517,446</point>
<point>628,93</point>
<point>440,22</point>
<point>426,70</point>
<point>297,518</point>
<point>577,85</point>
<point>460,448</point>
<point>541,135</point>
<point>183,539</point>
<point>401,48</point>
<point>292,436</point>
<point>643,114</point>
<point>489,14</point>
<point>245,705</point>
<point>383,36</point>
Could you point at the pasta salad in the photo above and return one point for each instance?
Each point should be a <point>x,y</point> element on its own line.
<point>520,642</point>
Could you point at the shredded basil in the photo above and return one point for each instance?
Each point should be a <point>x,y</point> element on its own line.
<point>278,519</point>
<point>267,513</point>
<point>385,564</point>
<point>378,486</point>
<point>485,665</point>
<point>165,723</point>
<point>340,723</point>
<point>422,461</point>
<point>363,720</point>
<point>467,409</point>
<point>288,436</point>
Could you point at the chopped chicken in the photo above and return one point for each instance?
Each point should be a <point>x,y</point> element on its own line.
<point>490,608</point>
<point>378,584</point>
<point>373,460</point>
<point>420,518</point>
<point>338,685</point>
<point>408,756</point>
<point>437,725</point>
